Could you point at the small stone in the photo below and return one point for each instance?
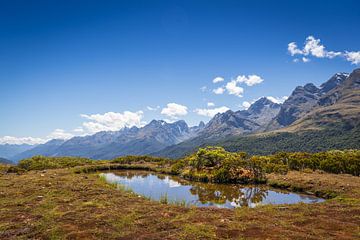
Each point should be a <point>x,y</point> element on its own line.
<point>42,175</point>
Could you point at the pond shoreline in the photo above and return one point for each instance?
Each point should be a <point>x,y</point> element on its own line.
<point>171,189</point>
<point>275,183</point>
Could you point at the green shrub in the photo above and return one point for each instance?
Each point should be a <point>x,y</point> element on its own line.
<point>141,159</point>
<point>217,165</point>
<point>42,162</point>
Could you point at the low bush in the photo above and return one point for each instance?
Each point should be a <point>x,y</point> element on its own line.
<point>42,162</point>
<point>141,159</point>
<point>335,161</point>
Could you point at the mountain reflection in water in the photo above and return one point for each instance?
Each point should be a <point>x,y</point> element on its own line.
<point>177,190</point>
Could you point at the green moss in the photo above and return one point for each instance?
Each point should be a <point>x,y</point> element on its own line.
<point>197,231</point>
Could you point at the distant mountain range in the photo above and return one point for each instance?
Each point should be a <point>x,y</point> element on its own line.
<point>128,141</point>
<point>309,114</point>
<point>5,161</point>
<point>10,150</point>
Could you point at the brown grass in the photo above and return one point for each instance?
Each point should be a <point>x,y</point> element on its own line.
<point>59,204</point>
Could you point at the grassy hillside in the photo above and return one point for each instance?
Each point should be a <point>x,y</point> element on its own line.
<point>333,137</point>
<point>308,141</point>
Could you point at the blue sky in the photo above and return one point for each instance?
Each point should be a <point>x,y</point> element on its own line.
<point>98,65</point>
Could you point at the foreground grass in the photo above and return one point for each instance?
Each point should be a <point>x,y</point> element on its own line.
<point>60,204</point>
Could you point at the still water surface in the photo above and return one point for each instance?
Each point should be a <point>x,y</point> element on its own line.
<point>176,190</point>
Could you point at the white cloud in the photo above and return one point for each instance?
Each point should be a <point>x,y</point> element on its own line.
<point>305,60</point>
<point>153,108</point>
<point>218,79</point>
<point>219,90</point>
<point>233,89</point>
<point>293,49</point>
<point>210,104</point>
<point>59,134</point>
<point>56,134</point>
<point>314,48</point>
<point>78,130</point>
<point>353,57</point>
<point>21,140</point>
<point>278,100</point>
<point>246,104</point>
<point>211,112</point>
<point>173,110</point>
<point>250,80</point>
<point>203,88</point>
<point>112,121</point>
<point>332,54</point>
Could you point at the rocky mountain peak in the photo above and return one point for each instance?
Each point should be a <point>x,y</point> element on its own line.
<point>334,81</point>
<point>201,124</point>
<point>262,103</point>
<point>309,87</point>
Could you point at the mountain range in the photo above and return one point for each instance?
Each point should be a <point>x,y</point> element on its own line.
<point>313,111</point>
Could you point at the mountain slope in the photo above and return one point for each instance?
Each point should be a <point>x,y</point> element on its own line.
<point>339,105</point>
<point>45,149</point>
<point>10,150</point>
<point>335,137</point>
<point>5,161</point>
<point>248,121</point>
<point>303,100</point>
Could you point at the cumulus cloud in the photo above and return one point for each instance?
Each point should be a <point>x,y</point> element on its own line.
<point>293,49</point>
<point>353,57</point>
<point>211,112</point>
<point>313,47</point>
<point>112,121</point>
<point>219,90</point>
<point>210,104</point>
<point>246,104</point>
<point>56,134</point>
<point>60,134</point>
<point>218,79</point>
<point>250,80</point>
<point>21,140</point>
<point>234,89</point>
<point>173,110</point>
